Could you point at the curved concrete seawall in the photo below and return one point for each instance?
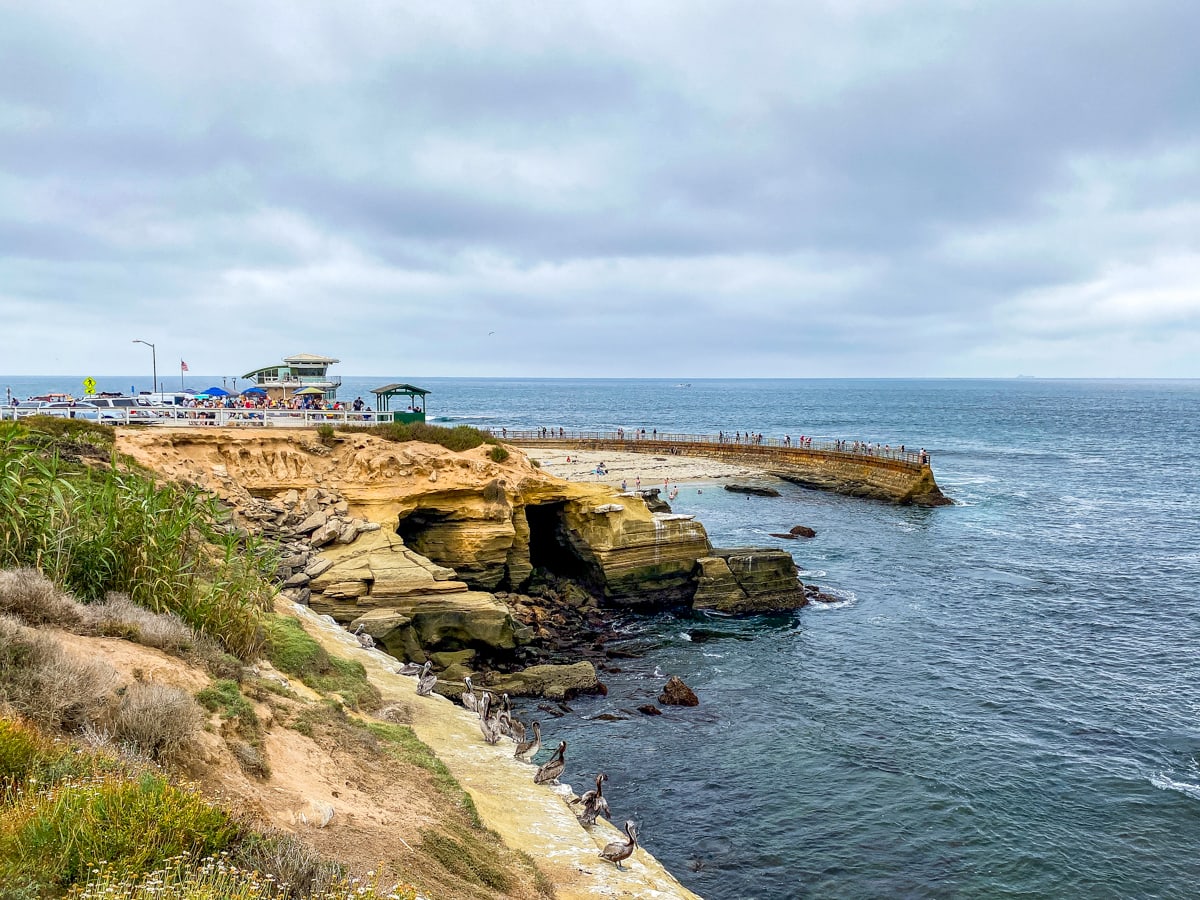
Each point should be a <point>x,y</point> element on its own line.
<point>890,475</point>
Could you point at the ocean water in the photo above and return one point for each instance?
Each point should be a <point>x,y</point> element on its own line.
<point>1006,701</point>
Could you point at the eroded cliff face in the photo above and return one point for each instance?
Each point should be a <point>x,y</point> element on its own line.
<point>452,529</point>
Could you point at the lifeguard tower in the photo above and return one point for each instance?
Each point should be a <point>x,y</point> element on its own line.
<point>415,411</point>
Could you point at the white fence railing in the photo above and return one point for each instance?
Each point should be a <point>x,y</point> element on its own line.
<point>180,416</point>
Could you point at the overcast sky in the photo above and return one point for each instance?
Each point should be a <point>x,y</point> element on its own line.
<point>691,189</point>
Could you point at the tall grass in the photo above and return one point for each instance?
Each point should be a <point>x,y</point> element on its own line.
<point>54,834</point>
<point>93,529</point>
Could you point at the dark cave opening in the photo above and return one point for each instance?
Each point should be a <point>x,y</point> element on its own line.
<point>551,548</point>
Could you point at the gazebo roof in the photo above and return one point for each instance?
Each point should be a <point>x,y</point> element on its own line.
<point>399,389</point>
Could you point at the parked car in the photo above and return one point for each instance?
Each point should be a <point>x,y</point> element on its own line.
<point>67,409</point>
<point>125,409</point>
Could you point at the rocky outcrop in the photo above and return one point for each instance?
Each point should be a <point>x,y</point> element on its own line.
<point>676,693</point>
<point>748,581</point>
<point>754,489</point>
<point>550,681</point>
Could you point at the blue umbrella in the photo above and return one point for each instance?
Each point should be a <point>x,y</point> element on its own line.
<point>216,392</point>
<point>253,390</point>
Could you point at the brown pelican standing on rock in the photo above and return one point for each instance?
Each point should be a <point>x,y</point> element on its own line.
<point>469,700</point>
<point>594,803</point>
<point>619,850</point>
<point>504,716</point>
<point>427,682</point>
<point>527,749</point>
<point>553,767</point>
<point>487,722</point>
<point>364,640</point>
<point>409,668</point>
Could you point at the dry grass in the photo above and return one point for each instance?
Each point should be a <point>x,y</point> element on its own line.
<point>159,721</point>
<point>42,682</point>
<point>118,616</point>
<point>30,596</point>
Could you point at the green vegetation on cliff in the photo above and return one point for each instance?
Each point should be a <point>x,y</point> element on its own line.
<point>94,526</point>
<point>458,438</point>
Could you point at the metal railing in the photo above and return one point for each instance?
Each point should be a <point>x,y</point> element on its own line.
<point>737,443</point>
<point>187,416</point>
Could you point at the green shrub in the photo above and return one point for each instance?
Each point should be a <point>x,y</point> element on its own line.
<point>459,438</point>
<point>23,753</point>
<point>293,651</point>
<point>325,434</point>
<point>98,529</point>
<point>54,836</point>
<point>216,879</point>
<point>498,454</point>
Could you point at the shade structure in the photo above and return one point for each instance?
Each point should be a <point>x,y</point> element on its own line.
<point>254,390</point>
<point>216,392</point>
<point>309,391</point>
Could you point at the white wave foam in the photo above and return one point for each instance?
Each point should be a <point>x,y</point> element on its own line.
<point>1163,783</point>
<point>845,599</point>
<point>685,636</point>
<point>813,573</point>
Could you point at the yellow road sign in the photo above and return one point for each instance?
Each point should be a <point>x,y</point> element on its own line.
<point>89,384</point>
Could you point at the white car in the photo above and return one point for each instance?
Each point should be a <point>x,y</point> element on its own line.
<point>65,409</point>
<point>125,409</point>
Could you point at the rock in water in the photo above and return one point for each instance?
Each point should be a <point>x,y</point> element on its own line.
<point>802,531</point>
<point>752,489</point>
<point>676,693</point>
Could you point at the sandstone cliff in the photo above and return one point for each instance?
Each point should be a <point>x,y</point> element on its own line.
<point>415,540</point>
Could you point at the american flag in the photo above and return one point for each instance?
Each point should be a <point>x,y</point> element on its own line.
<point>182,366</point>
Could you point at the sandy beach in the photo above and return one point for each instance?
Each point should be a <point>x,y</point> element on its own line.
<point>629,467</point>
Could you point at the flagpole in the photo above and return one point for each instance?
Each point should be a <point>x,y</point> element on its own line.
<point>181,376</point>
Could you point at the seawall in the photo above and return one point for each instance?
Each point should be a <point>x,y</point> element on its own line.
<point>893,478</point>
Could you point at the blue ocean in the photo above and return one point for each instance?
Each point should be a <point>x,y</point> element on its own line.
<point>1005,701</point>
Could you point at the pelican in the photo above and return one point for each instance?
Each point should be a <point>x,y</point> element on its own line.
<point>504,716</point>
<point>527,749</point>
<point>409,668</point>
<point>551,769</point>
<point>619,850</point>
<point>594,803</point>
<point>469,700</point>
<point>427,682</point>
<point>516,730</point>
<point>364,640</point>
<point>487,723</point>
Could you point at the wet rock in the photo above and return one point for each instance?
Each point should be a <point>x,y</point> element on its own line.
<point>609,717</point>
<point>754,489</point>
<point>676,693</point>
<point>553,682</point>
<point>649,709</point>
<point>802,531</point>
<point>786,537</point>
<point>748,580</point>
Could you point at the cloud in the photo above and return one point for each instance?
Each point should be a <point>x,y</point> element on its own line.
<point>851,188</point>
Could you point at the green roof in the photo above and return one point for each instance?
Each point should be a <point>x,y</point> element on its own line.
<point>399,389</point>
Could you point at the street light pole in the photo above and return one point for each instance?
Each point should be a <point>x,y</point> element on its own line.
<point>153,363</point>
